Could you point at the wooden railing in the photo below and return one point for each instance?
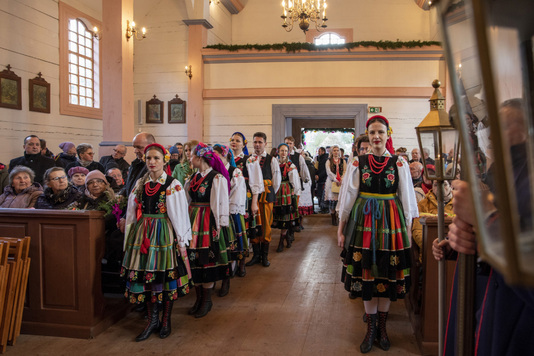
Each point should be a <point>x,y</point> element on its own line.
<point>422,302</point>
<point>64,295</point>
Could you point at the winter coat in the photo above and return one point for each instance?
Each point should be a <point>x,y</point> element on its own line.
<point>38,163</point>
<point>4,177</point>
<point>63,200</point>
<point>63,159</point>
<point>25,199</point>
<point>94,165</point>
<point>110,162</point>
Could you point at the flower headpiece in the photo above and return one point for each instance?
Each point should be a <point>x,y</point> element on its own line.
<point>225,151</point>
<point>389,142</point>
<point>245,149</point>
<point>206,152</point>
<point>166,154</point>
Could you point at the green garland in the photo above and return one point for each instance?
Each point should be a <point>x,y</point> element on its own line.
<point>299,46</point>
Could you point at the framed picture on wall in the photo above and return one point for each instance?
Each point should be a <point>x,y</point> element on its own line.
<point>39,93</point>
<point>154,111</point>
<point>10,89</point>
<point>176,111</point>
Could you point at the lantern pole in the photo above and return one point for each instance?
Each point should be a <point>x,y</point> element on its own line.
<point>442,282</point>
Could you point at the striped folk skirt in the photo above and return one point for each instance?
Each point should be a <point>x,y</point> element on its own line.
<point>208,250</point>
<point>240,249</point>
<point>162,273</point>
<point>285,209</point>
<point>376,255</point>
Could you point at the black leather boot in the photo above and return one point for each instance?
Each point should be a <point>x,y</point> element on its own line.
<point>152,324</point>
<point>256,258</point>
<point>281,243</point>
<point>264,253</point>
<point>242,271</point>
<point>195,307</point>
<point>225,287</point>
<point>166,319</point>
<point>370,337</point>
<point>334,219</point>
<point>383,340</point>
<point>206,303</point>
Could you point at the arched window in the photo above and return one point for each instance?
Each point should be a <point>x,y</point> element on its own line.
<point>328,39</point>
<point>80,82</point>
<point>83,66</point>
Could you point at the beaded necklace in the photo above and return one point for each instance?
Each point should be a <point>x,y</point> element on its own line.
<point>195,183</point>
<point>151,191</point>
<point>377,167</point>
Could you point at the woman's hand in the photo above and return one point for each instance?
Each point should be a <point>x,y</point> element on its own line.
<point>340,238</point>
<point>440,249</point>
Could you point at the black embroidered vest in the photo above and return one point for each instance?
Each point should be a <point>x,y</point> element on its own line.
<point>153,204</point>
<point>203,191</point>
<point>385,182</point>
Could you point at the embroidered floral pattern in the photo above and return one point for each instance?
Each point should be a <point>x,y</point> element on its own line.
<point>380,288</point>
<point>149,277</point>
<point>394,260</point>
<point>357,286</point>
<point>357,256</point>
<point>390,177</point>
<point>366,176</point>
<point>355,163</point>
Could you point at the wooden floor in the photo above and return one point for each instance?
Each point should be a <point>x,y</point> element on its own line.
<point>297,306</point>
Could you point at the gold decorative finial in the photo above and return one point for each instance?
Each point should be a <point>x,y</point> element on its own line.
<point>436,83</point>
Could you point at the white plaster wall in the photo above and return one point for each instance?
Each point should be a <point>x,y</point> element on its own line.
<point>260,22</point>
<point>159,62</point>
<point>224,117</point>
<point>29,42</point>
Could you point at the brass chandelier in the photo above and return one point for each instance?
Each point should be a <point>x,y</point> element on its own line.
<point>304,12</point>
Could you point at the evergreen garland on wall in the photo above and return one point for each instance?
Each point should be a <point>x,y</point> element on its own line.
<point>299,46</point>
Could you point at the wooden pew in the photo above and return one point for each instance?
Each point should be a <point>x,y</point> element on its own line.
<point>422,302</point>
<point>64,295</point>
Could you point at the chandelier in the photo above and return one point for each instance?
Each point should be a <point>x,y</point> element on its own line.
<point>304,12</point>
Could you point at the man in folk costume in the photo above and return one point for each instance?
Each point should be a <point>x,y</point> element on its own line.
<point>304,174</point>
<point>264,195</point>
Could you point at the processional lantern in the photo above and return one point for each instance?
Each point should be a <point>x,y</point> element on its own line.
<point>489,53</point>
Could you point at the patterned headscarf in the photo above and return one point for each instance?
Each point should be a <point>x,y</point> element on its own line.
<point>206,152</point>
<point>225,151</point>
<point>245,149</point>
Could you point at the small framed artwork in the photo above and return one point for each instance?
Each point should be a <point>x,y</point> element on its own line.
<point>176,111</point>
<point>10,90</point>
<point>39,90</point>
<point>154,111</point>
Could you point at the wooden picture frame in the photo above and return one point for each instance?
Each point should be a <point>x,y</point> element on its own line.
<point>39,93</point>
<point>10,89</point>
<point>176,111</point>
<point>154,111</point>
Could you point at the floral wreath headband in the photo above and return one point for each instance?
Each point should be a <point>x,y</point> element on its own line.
<point>390,130</point>
<point>164,151</point>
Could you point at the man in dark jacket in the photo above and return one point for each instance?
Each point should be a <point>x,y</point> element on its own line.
<point>116,160</point>
<point>85,159</point>
<point>33,159</point>
<point>320,177</point>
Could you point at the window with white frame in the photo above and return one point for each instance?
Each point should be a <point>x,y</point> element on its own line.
<point>83,66</point>
<point>79,64</point>
<point>328,38</point>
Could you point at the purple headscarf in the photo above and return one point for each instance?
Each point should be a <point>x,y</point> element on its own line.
<point>206,152</point>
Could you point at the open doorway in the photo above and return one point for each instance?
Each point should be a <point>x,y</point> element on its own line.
<point>313,138</point>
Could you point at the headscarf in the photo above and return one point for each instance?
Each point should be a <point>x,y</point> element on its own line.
<point>225,151</point>
<point>173,150</point>
<point>66,146</point>
<point>389,142</point>
<point>206,152</point>
<point>245,149</point>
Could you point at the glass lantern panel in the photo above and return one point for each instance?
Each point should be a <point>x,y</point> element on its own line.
<point>449,149</point>
<point>510,31</point>
<point>471,111</point>
<point>429,152</point>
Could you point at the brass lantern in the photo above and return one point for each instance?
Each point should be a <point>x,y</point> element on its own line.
<point>489,46</point>
<point>438,139</point>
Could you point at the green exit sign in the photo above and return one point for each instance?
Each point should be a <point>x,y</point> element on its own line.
<point>375,109</point>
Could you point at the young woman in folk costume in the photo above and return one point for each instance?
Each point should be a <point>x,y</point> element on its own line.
<point>335,170</point>
<point>208,190</point>
<point>184,170</point>
<point>238,246</point>
<point>285,210</point>
<point>155,262</point>
<point>238,144</point>
<point>376,211</point>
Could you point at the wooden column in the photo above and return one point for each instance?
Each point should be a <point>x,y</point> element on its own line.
<point>117,71</point>
<point>198,38</point>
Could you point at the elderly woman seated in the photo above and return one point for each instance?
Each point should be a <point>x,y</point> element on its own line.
<point>97,191</point>
<point>21,192</point>
<point>77,177</point>
<point>59,193</point>
<point>429,205</point>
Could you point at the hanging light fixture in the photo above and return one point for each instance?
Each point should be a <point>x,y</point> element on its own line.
<point>304,12</point>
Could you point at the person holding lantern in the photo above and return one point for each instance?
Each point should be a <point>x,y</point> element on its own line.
<point>376,212</point>
<point>157,231</point>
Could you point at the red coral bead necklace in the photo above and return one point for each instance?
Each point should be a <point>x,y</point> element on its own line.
<point>377,167</point>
